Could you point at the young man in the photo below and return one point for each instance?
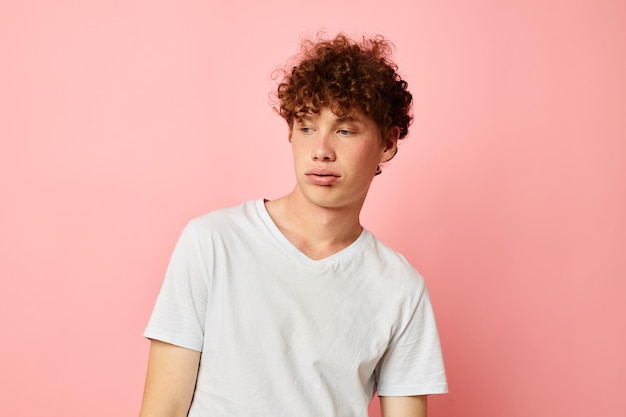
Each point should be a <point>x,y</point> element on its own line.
<point>289,307</point>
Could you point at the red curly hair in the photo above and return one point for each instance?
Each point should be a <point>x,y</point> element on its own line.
<point>347,76</point>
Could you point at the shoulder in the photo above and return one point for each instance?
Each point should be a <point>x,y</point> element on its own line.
<point>226,224</point>
<point>392,266</point>
<point>226,218</point>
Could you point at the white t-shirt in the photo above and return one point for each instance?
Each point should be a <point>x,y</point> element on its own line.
<point>283,335</point>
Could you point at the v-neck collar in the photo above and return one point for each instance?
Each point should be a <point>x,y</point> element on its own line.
<point>297,253</point>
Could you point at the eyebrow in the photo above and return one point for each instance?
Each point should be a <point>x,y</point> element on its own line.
<point>337,120</point>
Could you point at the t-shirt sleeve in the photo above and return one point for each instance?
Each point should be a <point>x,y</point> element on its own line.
<point>179,313</point>
<point>413,363</point>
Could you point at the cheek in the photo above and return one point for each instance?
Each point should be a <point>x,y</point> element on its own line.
<point>297,149</point>
<point>369,156</point>
<point>300,154</point>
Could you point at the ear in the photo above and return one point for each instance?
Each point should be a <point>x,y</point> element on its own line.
<point>391,144</point>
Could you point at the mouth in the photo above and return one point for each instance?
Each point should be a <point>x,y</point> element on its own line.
<point>322,176</point>
<point>322,173</point>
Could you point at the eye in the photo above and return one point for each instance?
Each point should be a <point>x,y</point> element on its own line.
<point>305,129</point>
<point>344,132</point>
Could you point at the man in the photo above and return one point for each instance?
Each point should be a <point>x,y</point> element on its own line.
<point>289,308</point>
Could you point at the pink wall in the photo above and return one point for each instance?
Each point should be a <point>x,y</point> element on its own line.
<point>120,120</point>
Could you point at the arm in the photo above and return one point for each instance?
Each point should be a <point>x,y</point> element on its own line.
<point>170,381</point>
<point>414,406</point>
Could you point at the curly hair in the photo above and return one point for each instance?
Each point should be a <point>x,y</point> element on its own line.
<point>348,76</point>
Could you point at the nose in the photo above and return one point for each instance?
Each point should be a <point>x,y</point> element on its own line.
<point>323,149</point>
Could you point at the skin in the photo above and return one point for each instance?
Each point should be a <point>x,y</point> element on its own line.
<point>170,380</point>
<point>335,162</point>
<point>349,148</point>
<point>414,406</point>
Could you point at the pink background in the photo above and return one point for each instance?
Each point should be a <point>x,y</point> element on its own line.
<point>120,120</point>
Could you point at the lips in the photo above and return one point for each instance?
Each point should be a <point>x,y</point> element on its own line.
<point>322,172</point>
<point>322,176</point>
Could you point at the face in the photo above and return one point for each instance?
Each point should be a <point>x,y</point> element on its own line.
<point>336,158</point>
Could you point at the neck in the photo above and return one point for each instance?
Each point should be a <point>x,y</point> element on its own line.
<point>316,231</point>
